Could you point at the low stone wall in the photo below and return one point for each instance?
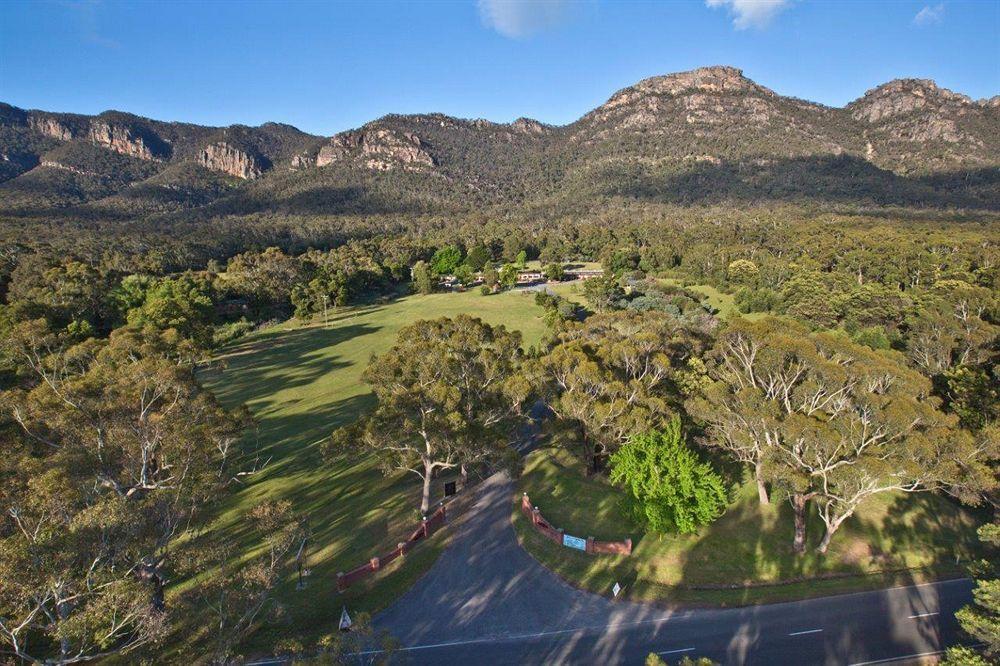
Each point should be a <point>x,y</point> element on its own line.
<point>427,527</point>
<point>557,535</point>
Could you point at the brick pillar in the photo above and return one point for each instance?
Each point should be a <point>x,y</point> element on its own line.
<point>375,564</point>
<point>340,581</point>
<point>444,513</point>
<point>402,548</point>
<point>628,546</point>
<point>534,515</point>
<point>423,524</point>
<point>590,544</point>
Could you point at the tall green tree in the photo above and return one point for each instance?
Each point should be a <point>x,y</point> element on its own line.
<point>507,277</point>
<point>669,489</point>
<point>614,375</point>
<point>446,260</point>
<point>827,419</point>
<point>449,395</point>
<point>266,278</point>
<point>478,257</point>
<point>603,292</point>
<point>183,304</point>
<point>981,618</point>
<point>423,281</point>
<point>112,450</point>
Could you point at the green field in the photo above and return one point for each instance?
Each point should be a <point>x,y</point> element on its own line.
<point>303,380</point>
<point>895,539</point>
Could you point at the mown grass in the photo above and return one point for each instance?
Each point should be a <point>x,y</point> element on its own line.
<point>301,381</point>
<point>745,556</point>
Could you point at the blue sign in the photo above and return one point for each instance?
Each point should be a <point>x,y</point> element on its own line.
<point>574,542</point>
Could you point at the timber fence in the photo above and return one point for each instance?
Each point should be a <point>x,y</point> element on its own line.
<point>557,535</point>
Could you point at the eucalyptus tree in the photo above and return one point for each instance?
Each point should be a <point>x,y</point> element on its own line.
<point>111,450</point>
<point>830,420</point>
<point>615,375</point>
<point>952,326</point>
<point>449,395</point>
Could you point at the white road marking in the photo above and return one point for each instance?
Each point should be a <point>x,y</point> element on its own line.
<point>675,651</point>
<point>808,631</point>
<point>921,615</point>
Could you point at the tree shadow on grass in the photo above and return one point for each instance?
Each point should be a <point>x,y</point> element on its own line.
<point>279,360</point>
<point>922,529</point>
<point>751,545</point>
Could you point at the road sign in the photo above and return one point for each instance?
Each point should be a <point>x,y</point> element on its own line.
<point>345,620</point>
<point>574,542</point>
<point>616,590</point>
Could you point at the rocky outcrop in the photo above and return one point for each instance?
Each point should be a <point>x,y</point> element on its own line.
<point>124,140</point>
<point>51,127</point>
<point>227,158</point>
<point>905,96</point>
<point>710,96</point>
<point>528,126</point>
<point>302,161</point>
<point>713,80</point>
<point>52,164</point>
<point>379,149</point>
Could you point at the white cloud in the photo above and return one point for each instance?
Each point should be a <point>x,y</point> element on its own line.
<point>929,14</point>
<point>522,18</point>
<point>751,13</point>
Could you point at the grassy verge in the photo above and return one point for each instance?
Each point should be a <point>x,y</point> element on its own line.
<point>745,557</point>
<point>301,381</point>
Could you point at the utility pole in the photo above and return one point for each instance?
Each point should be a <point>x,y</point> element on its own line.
<point>326,321</point>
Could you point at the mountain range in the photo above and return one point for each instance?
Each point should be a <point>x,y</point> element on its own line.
<point>709,135</point>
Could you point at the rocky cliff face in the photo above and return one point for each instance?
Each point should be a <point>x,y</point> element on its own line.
<point>302,161</point>
<point>912,124</point>
<point>676,136</point>
<point>711,114</point>
<point>51,127</point>
<point>227,158</point>
<point>123,140</point>
<point>377,149</point>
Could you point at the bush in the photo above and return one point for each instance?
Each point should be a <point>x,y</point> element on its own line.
<point>755,300</point>
<point>226,333</point>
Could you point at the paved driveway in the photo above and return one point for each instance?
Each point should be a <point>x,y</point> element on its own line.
<point>487,601</point>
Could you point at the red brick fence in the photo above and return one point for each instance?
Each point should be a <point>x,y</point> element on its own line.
<point>557,535</point>
<point>428,526</point>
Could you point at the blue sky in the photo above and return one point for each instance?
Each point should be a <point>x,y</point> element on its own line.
<point>329,66</point>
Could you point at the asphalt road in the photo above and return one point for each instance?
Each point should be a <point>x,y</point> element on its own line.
<point>486,601</point>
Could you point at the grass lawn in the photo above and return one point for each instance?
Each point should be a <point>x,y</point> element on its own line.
<point>301,381</point>
<point>724,304</point>
<point>896,539</point>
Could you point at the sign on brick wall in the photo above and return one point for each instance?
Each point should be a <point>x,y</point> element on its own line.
<point>574,542</point>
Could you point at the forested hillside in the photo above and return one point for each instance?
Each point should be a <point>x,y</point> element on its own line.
<point>709,136</point>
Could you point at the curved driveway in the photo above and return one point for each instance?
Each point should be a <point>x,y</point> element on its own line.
<point>487,601</point>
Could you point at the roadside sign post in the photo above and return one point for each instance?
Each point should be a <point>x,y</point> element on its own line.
<point>345,620</point>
